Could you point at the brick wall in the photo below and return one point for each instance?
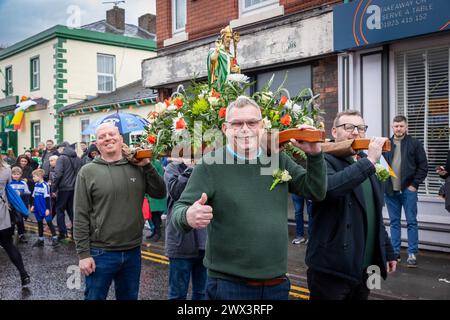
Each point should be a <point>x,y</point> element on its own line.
<point>325,82</point>
<point>292,6</point>
<point>207,17</point>
<point>163,21</point>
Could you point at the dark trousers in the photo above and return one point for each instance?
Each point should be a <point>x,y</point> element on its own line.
<point>180,273</point>
<point>14,255</point>
<point>221,289</point>
<point>156,219</point>
<point>50,225</point>
<point>122,267</point>
<point>64,202</point>
<point>324,286</point>
<point>18,222</point>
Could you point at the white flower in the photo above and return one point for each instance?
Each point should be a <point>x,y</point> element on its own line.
<point>285,176</point>
<point>160,107</point>
<point>296,109</point>
<point>267,123</point>
<point>266,96</point>
<point>213,101</point>
<point>288,104</point>
<point>203,94</point>
<point>172,107</point>
<point>306,120</point>
<point>237,77</point>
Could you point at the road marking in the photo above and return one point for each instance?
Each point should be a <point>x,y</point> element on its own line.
<point>301,289</point>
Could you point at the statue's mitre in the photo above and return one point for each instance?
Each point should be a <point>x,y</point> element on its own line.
<point>225,30</point>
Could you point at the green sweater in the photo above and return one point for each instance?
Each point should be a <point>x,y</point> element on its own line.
<point>248,235</point>
<point>158,204</point>
<point>108,204</point>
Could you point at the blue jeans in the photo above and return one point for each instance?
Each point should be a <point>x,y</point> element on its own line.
<point>181,271</point>
<point>221,289</point>
<point>124,267</point>
<point>394,203</point>
<point>298,206</point>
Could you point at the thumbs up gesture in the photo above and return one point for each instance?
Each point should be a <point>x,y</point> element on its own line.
<point>199,215</point>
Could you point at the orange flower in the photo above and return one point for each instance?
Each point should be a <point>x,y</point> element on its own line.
<point>151,139</point>
<point>283,100</point>
<point>215,94</point>
<point>222,112</point>
<point>168,102</point>
<point>23,98</point>
<point>286,120</point>
<point>180,124</point>
<point>178,102</point>
<point>152,115</point>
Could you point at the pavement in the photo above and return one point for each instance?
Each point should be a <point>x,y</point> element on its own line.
<point>52,278</point>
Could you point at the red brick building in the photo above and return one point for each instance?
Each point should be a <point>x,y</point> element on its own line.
<point>277,36</point>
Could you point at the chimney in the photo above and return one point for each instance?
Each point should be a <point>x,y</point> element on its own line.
<point>148,23</point>
<point>116,18</point>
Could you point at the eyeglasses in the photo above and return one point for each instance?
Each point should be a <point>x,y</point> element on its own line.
<point>351,127</point>
<point>251,124</point>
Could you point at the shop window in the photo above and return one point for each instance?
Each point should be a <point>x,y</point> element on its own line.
<point>422,87</point>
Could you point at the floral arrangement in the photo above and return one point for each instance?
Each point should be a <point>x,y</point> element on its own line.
<point>200,107</point>
<point>280,176</point>
<point>381,172</point>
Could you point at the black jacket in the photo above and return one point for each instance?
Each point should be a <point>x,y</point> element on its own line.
<point>447,166</point>
<point>180,244</point>
<point>414,166</point>
<point>67,167</point>
<point>338,235</point>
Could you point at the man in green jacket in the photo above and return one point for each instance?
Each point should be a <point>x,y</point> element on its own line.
<point>108,219</point>
<point>246,250</point>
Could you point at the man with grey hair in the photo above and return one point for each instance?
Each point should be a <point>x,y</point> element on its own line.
<point>246,250</point>
<point>108,220</point>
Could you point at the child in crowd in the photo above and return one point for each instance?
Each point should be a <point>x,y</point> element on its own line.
<point>21,187</point>
<point>41,208</point>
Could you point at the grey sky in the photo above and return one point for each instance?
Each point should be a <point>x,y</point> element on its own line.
<point>20,19</point>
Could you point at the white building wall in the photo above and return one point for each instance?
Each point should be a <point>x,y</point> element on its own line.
<point>21,87</point>
<point>82,67</point>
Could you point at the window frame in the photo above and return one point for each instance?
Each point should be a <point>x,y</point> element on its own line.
<point>174,18</point>
<point>9,82</point>
<point>34,141</point>
<point>35,85</point>
<point>113,75</point>
<point>244,10</point>
<point>83,136</point>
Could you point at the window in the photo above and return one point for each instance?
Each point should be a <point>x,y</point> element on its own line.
<point>178,15</point>
<point>249,5</point>
<point>106,69</point>
<point>422,81</point>
<point>8,81</point>
<point>84,125</point>
<point>298,78</point>
<point>35,133</point>
<point>34,68</point>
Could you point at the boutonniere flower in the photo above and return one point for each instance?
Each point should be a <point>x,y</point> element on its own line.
<point>381,172</point>
<point>280,176</point>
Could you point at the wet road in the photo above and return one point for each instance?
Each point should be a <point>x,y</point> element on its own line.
<point>48,268</point>
<point>48,271</point>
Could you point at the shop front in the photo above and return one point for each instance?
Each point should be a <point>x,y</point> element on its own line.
<point>394,59</point>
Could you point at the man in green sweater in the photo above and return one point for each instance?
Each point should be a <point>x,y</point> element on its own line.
<point>108,219</point>
<point>246,250</point>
